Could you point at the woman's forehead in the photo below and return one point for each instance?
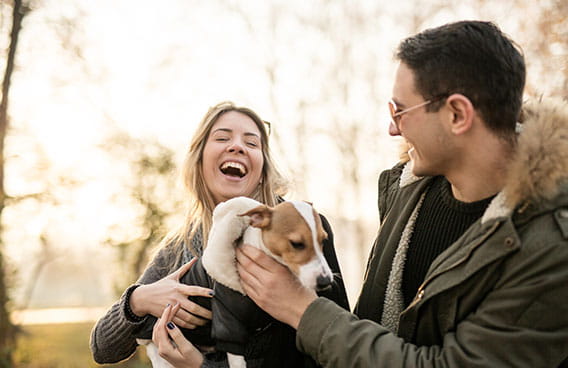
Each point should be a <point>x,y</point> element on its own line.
<point>234,121</point>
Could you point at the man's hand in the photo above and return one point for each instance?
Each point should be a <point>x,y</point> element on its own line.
<point>272,286</point>
<point>151,299</point>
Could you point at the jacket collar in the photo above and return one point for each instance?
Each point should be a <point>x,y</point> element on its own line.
<point>538,171</point>
<point>407,177</point>
<point>539,168</point>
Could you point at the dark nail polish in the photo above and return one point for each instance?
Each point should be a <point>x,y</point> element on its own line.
<point>212,293</point>
<point>170,325</point>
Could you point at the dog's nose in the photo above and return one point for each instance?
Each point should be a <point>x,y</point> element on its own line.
<point>323,282</point>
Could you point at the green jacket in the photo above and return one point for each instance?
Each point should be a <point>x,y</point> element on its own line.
<point>497,297</point>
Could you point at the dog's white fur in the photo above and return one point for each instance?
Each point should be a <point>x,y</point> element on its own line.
<point>228,226</point>
<point>153,354</point>
<point>219,260</point>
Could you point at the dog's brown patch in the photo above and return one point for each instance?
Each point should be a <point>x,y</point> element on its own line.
<point>286,233</point>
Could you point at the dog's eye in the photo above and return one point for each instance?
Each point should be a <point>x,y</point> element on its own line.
<point>298,246</point>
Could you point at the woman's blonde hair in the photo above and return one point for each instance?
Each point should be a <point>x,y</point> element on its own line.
<point>201,204</point>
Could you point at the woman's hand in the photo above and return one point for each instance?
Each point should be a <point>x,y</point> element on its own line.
<point>272,286</point>
<point>151,298</point>
<point>171,344</point>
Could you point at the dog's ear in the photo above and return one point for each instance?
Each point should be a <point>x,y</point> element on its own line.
<point>259,216</point>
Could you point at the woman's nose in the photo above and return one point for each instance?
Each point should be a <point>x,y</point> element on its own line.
<point>236,146</point>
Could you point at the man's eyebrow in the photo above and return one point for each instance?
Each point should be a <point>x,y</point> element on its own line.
<point>399,104</point>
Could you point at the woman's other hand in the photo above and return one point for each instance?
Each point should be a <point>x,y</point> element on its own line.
<point>171,344</point>
<point>151,298</point>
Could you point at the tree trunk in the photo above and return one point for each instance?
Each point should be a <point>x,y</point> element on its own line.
<point>7,330</point>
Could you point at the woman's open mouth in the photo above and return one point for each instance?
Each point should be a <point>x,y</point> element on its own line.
<point>232,168</point>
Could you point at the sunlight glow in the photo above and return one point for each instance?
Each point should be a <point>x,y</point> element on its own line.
<point>57,315</point>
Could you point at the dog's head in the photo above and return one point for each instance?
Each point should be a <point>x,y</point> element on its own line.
<point>293,233</point>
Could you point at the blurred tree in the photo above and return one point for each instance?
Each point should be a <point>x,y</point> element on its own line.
<point>547,49</point>
<point>150,189</point>
<point>43,257</point>
<point>337,48</point>
<point>7,330</point>
<point>348,75</point>
<point>344,50</point>
<point>37,187</point>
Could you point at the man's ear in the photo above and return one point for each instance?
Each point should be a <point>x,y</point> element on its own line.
<point>259,216</point>
<point>462,111</point>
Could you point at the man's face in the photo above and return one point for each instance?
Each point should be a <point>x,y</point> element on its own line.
<point>425,132</point>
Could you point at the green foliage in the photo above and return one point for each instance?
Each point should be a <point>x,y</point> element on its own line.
<point>62,346</point>
<point>5,357</point>
<point>150,186</point>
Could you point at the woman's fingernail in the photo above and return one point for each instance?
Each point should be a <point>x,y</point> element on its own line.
<point>167,305</point>
<point>212,293</point>
<point>170,325</point>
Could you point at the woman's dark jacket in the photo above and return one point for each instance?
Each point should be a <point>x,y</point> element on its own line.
<point>272,343</point>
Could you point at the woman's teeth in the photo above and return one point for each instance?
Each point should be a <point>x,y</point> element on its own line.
<point>233,169</point>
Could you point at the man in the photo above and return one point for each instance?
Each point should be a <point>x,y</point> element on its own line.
<point>470,266</point>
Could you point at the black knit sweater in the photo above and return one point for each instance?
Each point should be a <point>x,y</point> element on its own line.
<point>442,219</point>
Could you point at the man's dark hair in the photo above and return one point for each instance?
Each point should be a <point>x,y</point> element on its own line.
<point>475,59</point>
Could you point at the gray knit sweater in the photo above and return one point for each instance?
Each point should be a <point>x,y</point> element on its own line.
<point>112,338</point>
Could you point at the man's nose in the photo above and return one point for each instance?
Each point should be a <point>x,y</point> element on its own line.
<point>393,129</point>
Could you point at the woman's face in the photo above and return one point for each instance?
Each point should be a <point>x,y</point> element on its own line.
<point>232,157</point>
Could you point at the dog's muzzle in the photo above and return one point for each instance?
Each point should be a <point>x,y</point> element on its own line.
<point>323,282</point>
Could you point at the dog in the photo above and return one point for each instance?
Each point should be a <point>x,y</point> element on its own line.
<point>291,232</point>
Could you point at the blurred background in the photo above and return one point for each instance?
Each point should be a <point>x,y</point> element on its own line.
<point>99,101</point>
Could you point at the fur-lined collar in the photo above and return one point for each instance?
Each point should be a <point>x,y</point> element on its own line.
<point>539,166</point>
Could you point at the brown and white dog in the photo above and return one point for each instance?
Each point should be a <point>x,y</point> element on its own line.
<point>291,232</point>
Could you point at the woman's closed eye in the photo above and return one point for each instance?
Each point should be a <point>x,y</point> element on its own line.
<point>220,136</point>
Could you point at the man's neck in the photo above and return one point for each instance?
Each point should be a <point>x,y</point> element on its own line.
<point>483,175</point>
<point>472,193</point>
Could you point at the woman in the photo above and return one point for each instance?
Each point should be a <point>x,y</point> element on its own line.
<point>228,157</point>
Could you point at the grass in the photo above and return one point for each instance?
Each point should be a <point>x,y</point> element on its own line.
<point>63,346</point>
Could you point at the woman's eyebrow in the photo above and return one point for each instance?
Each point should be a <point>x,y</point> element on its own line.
<point>227,130</point>
<point>223,130</point>
<point>252,134</point>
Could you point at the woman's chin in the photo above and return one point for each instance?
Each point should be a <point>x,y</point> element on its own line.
<point>229,194</point>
